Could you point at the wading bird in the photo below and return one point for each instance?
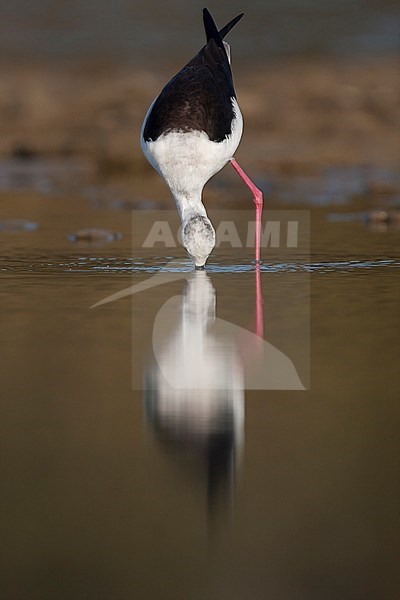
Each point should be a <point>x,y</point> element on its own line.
<point>191,130</point>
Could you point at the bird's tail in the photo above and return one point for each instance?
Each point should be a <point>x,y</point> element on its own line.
<point>212,32</point>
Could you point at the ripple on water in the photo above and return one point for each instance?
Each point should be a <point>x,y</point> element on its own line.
<point>158,265</point>
<point>112,264</point>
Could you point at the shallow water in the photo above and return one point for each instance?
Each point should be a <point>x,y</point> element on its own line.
<point>117,492</point>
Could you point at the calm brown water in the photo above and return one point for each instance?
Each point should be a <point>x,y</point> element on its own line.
<point>278,494</point>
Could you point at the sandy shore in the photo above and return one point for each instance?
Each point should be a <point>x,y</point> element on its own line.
<point>298,115</point>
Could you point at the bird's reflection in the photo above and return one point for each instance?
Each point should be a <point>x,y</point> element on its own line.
<point>194,385</point>
<point>194,391</point>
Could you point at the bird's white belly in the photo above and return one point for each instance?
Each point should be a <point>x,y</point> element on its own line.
<point>187,160</point>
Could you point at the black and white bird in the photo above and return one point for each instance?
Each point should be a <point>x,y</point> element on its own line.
<point>191,130</point>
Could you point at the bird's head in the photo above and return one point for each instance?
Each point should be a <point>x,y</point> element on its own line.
<point>198,238</point>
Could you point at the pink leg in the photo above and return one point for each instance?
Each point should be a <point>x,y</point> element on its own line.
<point>258,201</point>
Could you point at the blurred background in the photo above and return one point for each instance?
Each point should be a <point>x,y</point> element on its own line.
<point>141,32</point>
<point>317,81</point>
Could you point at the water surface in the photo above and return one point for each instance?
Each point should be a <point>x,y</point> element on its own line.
<point>115,492</point>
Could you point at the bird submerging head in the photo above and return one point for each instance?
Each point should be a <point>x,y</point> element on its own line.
<point>191,130</point>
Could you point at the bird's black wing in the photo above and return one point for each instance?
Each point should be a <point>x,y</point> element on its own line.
<point>200,96</point>
<point>211,30</point>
